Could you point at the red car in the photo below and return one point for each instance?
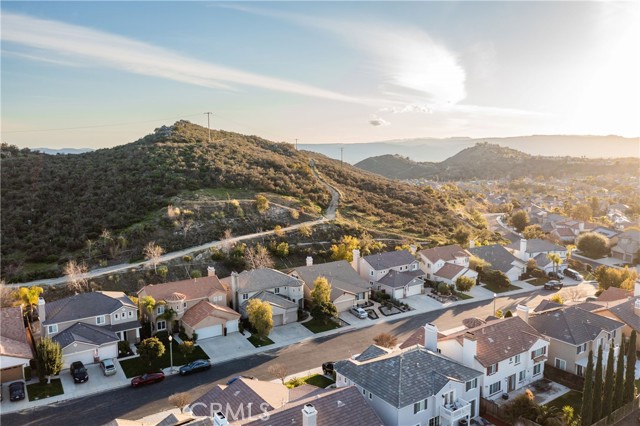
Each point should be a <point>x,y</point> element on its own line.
<point>147,379</point>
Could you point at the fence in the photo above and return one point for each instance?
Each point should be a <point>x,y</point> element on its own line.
<point>565,378</point>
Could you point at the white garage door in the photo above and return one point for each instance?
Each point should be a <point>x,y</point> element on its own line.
<point>211,331</point>
<point>398,293</point>
<point>277,320</point>
<point>85,356</point>
<point>109,351</point>
<point>344,305</point>
<point>414,290</point>
<point>232,326</point>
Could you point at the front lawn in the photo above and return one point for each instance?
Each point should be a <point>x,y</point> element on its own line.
<point>463,296</point>
<point>572,398</point>
<point>258,341</point>
<point>317,326</point>
<point>40,391</point>
<point>317,380</point>
<point>135,367</point>
<point>538,281</point>
<point>497,289</point>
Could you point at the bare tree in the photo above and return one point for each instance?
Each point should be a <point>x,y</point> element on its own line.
<point>279,371</point>
<point>258,257</point>
<point>76,273</point>
<point>152,252</point>
<point>186,225</point>
<point>7,295</point>
<point>180,400</point>
<point>573,293</point>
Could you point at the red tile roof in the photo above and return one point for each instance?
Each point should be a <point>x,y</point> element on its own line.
<point>194,289</point>
<point>203,309</point>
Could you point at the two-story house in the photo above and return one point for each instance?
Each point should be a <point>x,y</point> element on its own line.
<point>446,264</point>
<point>500,259</point>
<point>284,293</point>
<point>15,350</point>
<point>89,326</point>
<point>538,250</point>
<point>347,287</point>
<point>509,352</point>
<point>396,273</point>
<point>414,387</point>
<point>628,247</point>
<point>572,333</point>
<point>199,305</point>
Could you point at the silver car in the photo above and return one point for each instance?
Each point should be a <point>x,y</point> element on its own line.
<point>108,367</point>
<point>359,312</point>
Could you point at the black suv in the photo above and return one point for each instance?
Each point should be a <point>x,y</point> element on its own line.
<point>79,372</point>
<point>327,368</point>
<point>16,391</point>
<point>553,285</point>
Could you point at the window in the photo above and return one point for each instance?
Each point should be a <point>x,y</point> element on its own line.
<point>511,360</point>
<point>517,359</point>
<point>581,348</point>
<point>434,421</point>
<point>472,384</point>
<point>579,370</point>
<point>425,404</point>
<point>245,296</point>
<point>537,369</point>
<point>370,396</point>
<point>428,265</point>
<point>494,388</point>
<point>184,305</point>
<point>162,325</point>
<point>100,320</point>
<point>130,313</point>
<point>160,310</point>
<point>372,272</point>
<point>416,407</point>
<point>52,329</point>
<point>414,267</point>
<point>492,369</point>
<point>276,290</point>
<point>539,352</point>
<point>561,364</point>
<point>522,375</point>
<point>116,316</point>
<point>449,398</point>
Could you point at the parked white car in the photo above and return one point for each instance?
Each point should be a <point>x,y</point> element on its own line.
<point>359,312</point>
<point>108,367</point>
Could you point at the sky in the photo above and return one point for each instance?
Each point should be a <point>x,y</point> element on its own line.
<point>100,74</point>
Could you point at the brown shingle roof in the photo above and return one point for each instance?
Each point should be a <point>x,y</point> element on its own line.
<point>614,293</point>
<point>198,288</point>
<point>446,253</point>
<point>13,336</point>
<point>449,271</point>
<point>203,309</point>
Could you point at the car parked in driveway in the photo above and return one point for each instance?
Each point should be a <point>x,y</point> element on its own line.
<point>555,275</point>
<point>327,368</point>
<point>195,366</point>
<point>108,367</point>
<point>553,285</point>
<point>79,372</point>
<point>147,379</point>
<point>571,273</point>
<point>358,312</point>
<point>16,391</point>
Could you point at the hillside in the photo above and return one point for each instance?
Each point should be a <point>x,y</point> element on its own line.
<point>58,207</point>
<point>490,161</point>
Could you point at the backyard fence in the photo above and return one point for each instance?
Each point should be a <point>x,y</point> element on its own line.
<point>565,378</point>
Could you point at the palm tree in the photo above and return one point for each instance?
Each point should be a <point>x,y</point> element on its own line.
<point>556,259</point>
<point>29,296</point>
<point>148,303</point>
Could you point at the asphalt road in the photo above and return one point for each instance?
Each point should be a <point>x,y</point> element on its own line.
<point>136,403</point>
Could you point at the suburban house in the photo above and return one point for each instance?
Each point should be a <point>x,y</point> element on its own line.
<point>500,259</point>
<point>89,326</point>
<point>572,333</point>
<point>284,293</point>
<point>199,305</point>
<point>509,352</point>
<point>446,264</point>
<point>396,273</point>
<point>15,350</point>
<point>414,387</point>
<point>628,247</point>
<point>538,250</point>
<point>249,402</point>
<point>347,287</point>
<point>622,305</point>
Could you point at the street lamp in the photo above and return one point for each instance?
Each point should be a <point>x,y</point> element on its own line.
<point>494,304</point>
<point>171,353</point>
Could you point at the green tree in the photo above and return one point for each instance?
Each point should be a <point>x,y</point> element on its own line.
<point>521,406</point>
<point>597,389</point>
<point>615,277</point>
<point>587,393</point>
<point>569,417</point>
<point>556,259</point>
<point>477,264</point>
<point>618,392</point>
<point>629,380</point>
<point>150,349</point>
<point>609,378</point>
<point>557,299</point>
<point>531,265</point>
<point>461,236</point>
<point>49,359</point>
<point>519,220</point>
<point>496,277</point>
<point>260,316</point>
<point>305,230</point>
<point>593,245</point>
<point>532,232</point>
<point>29,296</point>
<point>465,283</point>
<point>262,203</point>
<point>548,415</point>
<point>321,292</point>
<point>344,249</point>
<point>282,249</point>
<point>582,212</point>
<point>147,304</point>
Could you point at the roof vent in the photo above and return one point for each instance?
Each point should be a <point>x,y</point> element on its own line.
<point>341,404</point>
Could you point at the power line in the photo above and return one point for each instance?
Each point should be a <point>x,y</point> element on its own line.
<point>101,125</point>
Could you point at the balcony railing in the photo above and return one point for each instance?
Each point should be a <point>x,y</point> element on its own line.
<point>450,414</point>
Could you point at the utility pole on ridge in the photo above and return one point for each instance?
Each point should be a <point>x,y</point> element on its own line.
<point>208,124</point>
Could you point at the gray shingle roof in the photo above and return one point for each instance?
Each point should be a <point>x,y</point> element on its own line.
<point>405,378</point>
<point>572,325</point>
<point>389,259</point>
<point>272,299</point>
<point>446,253</point>
<point>536,245</point>
<point>625,311</point>
<point>264,279</point>
<point>397,279</point>
<point>499,257</point>
<point>83,305</point>
<point>371,352</point>
<point>340,275</point>
<point>547,304</point>
<point>85,333</point>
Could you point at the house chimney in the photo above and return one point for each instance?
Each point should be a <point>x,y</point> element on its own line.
<point>636,288</point>
<point>523,312</point>
<point>636,307</point>
<point>431,337</point>
<point>234,290</point>
<point>211,271</point>
<point>472,243</point>
<point>523,248</point>
<point>413,249</point>
<point>220,420</point>
<point>309,260</point>
<point>42,315</point>
<point>309,415</point>
<point>356,260</point>
<point>469,348</point>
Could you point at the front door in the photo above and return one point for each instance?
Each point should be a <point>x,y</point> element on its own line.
<point>512,383</point>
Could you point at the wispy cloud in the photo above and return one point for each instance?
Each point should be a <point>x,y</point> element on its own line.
<point>80,44</point>
<point>378,121</point>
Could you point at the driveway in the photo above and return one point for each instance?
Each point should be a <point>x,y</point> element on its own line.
<point>97,382</point>
<point>422,302</point>
<point>293,332</point>
<point>227,347</point>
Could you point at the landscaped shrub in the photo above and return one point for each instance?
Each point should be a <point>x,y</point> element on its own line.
<point>444,289</point>
<point>162,335</point>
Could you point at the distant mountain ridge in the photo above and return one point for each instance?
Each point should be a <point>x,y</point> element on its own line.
<point>491,161</point>
<point>435,150</point>
<point>63,151</point>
